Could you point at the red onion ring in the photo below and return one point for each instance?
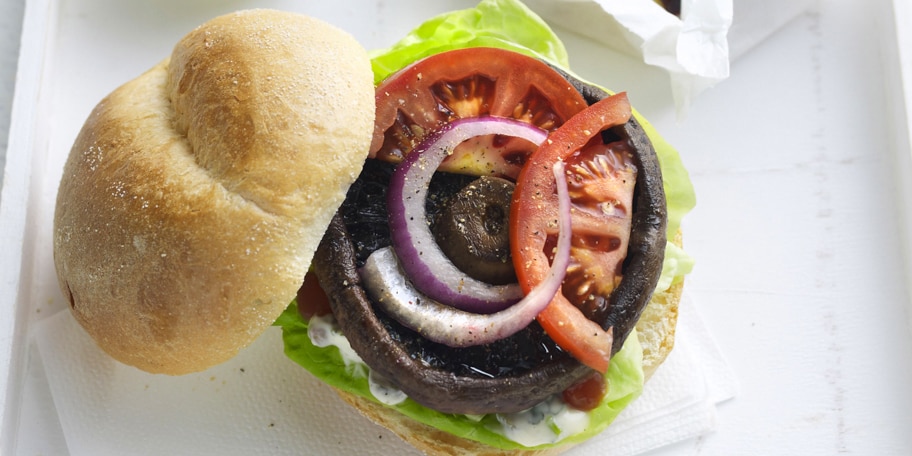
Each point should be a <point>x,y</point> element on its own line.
<point>419,255</point>
<point>385,283</point>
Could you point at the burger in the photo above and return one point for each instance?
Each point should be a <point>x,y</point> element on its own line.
<point>489,245</point>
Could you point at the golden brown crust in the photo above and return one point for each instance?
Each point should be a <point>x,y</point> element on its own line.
<point>195,195</point>
<point>656,326</point>
<point>655,331</point>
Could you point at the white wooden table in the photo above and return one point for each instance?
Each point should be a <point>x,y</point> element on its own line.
<point>801,165</point>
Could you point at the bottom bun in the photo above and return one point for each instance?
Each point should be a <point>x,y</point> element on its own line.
<point>430,440</point>
<point>655,331</point>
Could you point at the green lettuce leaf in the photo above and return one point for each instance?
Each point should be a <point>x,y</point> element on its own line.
<point>625,380</point>
<point>511,25</point>
<point>505,24</point>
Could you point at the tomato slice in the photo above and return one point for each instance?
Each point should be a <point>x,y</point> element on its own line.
<point>587,394</point>
<point>471,82</point>
<point>312,300</point>
<point>601,178</point>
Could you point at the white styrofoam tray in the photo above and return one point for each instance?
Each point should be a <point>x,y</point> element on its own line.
<point>801,162</point>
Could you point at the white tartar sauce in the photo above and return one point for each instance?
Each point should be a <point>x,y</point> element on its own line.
<point>548,422</point>
<point>323,332</point>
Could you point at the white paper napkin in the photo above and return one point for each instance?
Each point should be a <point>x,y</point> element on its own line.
<point>693,48</point>
<point>696,49</point>
<point>679,401</point>
<point>263,403</point>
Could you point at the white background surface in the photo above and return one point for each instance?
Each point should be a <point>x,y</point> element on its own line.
<point>800,271</point>
<point>10,29</point>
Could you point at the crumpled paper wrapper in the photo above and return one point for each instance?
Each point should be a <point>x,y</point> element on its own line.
<point>262,403</point>
<point>692,48</point>
<point>696,49</point>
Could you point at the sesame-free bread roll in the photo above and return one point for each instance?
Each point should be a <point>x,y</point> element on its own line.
<point>195,195</point>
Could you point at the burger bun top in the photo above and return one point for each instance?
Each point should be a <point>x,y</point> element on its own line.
<point>195,195</point>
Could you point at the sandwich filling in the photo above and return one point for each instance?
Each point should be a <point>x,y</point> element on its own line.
<point>514,383</point>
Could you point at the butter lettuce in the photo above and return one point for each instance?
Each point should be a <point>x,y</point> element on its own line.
<point>625,377</point>
<point>505,24</point>
<point>511,25</point>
